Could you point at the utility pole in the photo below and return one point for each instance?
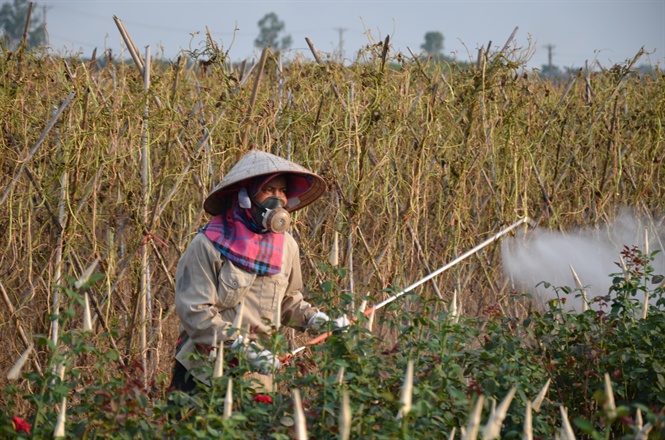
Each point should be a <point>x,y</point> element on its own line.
<point>550,48</point>
<point>340,46</point>
<point>45,28</point>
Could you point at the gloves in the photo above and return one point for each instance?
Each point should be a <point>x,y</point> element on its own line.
<point>342,321</point>
<point>319,319</point>
<point>263,360</point>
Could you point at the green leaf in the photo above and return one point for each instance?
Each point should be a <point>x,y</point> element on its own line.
<point>661,380</point>
<point>142,400</point>
<point>584,425</point>
<point>212,431</point>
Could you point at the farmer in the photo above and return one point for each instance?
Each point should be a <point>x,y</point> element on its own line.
<point>245,258</point>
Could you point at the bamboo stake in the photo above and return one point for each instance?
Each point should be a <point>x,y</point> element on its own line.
<point>473,425</point>
<point>87,320</point>
<point>384,52</point>
<point>349,251</point>
<point>59,431</point>
<point>406,393</point>
<point>566,428</point>
<point>26,28</point>
<point>580,286</point>
<point>218,370</point>
<point>538,401</point>
<point>334,250</point>
<point>643,433</point>
<point>319,61</point>
<point>609,406</point>
<point>315,52</point>
<point>344,418</point>
<point>645,306</point>
<point>300,421</point>
<point>133,50</point>
<point>252,99</point>
<point>505,46</point>
<point>144,289</point>
<point>492,428</point>
<point>62,219</point>
<point>340,376</point>
<point>228,400</point>
<point>15,372</point>
<point>527,430</point>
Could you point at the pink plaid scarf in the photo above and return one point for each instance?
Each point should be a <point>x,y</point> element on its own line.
<point>235,237</point>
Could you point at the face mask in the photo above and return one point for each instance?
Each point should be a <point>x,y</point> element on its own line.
<point>271,215</point>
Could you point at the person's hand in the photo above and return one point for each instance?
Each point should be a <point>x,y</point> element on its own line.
<point>263,360</point>
<point>341,322</point>
<point>319,319</point>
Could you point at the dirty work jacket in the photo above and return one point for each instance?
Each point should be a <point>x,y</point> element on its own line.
<point>209,289</point>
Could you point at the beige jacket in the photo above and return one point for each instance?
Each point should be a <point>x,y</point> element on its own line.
<point>209,289</point>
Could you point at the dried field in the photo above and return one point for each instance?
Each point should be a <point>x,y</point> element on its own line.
<point>423,162</point>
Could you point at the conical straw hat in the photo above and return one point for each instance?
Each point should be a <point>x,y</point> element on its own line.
<point>259,163</point>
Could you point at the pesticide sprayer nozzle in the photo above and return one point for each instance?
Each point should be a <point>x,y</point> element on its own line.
<point>530,221</point>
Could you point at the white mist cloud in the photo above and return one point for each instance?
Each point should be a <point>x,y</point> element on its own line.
<point>544,255</point>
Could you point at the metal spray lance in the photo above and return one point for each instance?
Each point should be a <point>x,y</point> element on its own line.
<point>442,269</point>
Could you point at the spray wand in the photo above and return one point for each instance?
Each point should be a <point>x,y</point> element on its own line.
<point>467,254</point>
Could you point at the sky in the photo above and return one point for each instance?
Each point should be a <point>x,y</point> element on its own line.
<point>573,33</point>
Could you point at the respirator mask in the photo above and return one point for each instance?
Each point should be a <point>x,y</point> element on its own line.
<point>271,215</point>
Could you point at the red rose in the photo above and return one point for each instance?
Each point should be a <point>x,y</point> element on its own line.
<point>262,398</point>
<point>21,425</point>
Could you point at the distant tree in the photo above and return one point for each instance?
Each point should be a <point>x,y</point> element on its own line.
<point>433,44</point>
<point>270,27</point>
<point>550,71</point>
<point>646,69</point>
<point>13,17</point>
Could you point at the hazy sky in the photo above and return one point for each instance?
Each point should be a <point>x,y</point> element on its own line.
<point>580,30</point>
